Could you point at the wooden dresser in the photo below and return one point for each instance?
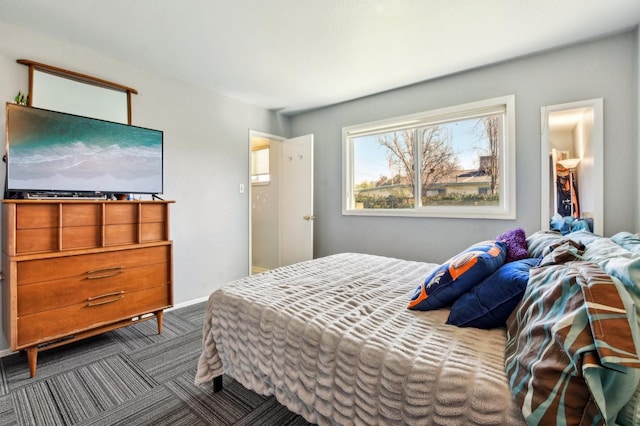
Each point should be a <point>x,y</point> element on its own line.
<point>76,268</point>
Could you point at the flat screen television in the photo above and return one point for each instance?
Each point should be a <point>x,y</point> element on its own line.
<point>50,152</point>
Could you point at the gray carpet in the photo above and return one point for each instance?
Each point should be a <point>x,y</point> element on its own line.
<point>131,376</point>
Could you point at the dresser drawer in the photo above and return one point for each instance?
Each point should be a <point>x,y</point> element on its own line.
<point>89,266</point>
<point>49,325</point>
<point>54,294</point>
<point>34,240</point>
<point>37,216</point>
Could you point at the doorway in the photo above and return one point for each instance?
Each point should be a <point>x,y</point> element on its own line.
<point>280,201</point>
<point>263,201</point>
<point>572,163</point>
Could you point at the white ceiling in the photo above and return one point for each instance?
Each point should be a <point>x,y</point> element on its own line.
<point>293,55</point>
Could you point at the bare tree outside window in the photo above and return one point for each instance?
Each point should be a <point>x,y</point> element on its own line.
<point>492,125</point>
<point>439,160</point>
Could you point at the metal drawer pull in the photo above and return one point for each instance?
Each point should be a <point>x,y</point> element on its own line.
<point>106,301</point>
<point>105,272</point>
<point>119,294</point>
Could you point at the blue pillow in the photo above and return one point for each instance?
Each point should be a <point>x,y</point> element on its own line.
<point>456,276</point>
<point>489,304</point>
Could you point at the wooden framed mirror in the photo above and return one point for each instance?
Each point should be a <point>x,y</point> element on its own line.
<point>75,93</point>
<point>572,153</point>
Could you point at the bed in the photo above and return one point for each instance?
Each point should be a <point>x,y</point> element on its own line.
<point>333,340</point>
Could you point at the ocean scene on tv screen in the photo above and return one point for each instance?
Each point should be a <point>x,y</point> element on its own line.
<point>50,151</point>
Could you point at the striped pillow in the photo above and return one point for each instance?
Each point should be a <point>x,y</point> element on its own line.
<point>452,279</point>
<point>627,240</point>
<point>539,242</point>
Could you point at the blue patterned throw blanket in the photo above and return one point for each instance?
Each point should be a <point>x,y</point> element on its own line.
<point>571,355</point>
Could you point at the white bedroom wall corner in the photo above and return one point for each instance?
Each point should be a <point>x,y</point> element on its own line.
<point>637,115</point>
<point>14,79</point>
<point>205,154</point>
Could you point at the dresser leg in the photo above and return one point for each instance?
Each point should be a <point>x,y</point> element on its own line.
<point>32,358</point>
<point>159,315</point>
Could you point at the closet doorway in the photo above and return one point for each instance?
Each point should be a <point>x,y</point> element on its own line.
<point>572,152</point>
<point>280,201</point>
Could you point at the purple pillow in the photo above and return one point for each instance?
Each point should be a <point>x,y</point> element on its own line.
<point>516,244</point>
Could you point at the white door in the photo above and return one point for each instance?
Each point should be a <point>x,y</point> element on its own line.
<point>296,200</point>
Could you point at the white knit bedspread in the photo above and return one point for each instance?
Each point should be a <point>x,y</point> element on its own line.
<point>333,340</point>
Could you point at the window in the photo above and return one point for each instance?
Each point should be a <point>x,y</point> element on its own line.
<point>451,162</point>
<point>260,165</point>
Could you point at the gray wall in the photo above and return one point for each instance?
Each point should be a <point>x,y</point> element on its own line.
<point>604,68</point>
<point>206,139</point>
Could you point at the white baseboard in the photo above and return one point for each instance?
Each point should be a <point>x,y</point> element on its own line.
<point>7,352</point>
<point>188,303</point>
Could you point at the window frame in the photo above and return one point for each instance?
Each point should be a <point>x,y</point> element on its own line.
<point>506,209</point>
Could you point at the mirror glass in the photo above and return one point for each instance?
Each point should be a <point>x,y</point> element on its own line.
<point>75,97</point>
<point>68,91</point>
<point>572,166</point>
